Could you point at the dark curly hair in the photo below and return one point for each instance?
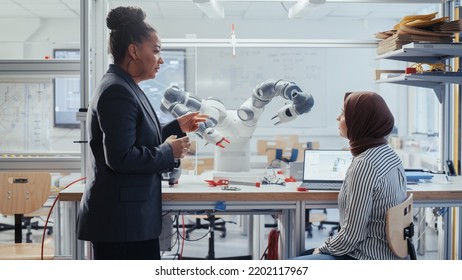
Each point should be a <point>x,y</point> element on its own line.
<point>127,26</point>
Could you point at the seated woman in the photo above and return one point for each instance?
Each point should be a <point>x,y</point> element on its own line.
<point>374,182</point>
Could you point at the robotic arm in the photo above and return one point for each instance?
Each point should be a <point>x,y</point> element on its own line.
<point>227,125</point>
<point>179,103</point>
<point>266,91</point>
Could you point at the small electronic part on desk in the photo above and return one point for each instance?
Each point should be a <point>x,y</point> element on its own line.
<point>230,188</point>
<point>272,177</point>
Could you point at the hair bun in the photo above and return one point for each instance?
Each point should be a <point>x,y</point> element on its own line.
<point>123,16</point>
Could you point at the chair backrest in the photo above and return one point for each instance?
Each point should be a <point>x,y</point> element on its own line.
<point>23,192</point>
<point>398,221</point>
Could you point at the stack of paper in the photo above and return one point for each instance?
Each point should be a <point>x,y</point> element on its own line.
<point>396,41</point>
<point>449,27</point>
<point>418,29</point>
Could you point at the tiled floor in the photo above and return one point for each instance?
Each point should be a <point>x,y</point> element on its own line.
<point>235,243</point>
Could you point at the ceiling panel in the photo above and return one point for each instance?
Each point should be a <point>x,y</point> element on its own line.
<point>12,9</point>
<point>234,10</point>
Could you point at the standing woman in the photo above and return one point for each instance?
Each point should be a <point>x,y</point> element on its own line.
<point>121,208</point>
<point>374,182</point>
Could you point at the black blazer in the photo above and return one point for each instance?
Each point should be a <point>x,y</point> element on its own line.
<point>122,199</point>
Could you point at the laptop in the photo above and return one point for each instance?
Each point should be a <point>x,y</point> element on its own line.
<point>325,169</point>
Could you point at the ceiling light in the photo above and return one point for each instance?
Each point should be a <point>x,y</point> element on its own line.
<point>211,8</point>
<point>298,9</point>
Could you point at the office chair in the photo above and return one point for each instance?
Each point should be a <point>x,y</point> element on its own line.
<point>400,229</point>
<point>311,218</point>
<point>335,226</point>
<point>212,221</point>
<point>212,226</point>
<point>321,218</point>
<point>22,193</point>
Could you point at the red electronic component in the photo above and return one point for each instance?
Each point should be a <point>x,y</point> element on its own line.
<point>290,179</point>
<point>221,182</point>
<point>410,70</point>
<point>302,189</point>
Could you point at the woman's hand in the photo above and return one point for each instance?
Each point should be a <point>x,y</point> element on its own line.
<point>316,251</point>
<point>190,122</point>
<point>180,146</point>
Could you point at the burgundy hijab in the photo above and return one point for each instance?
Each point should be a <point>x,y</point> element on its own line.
<point>368,120</point>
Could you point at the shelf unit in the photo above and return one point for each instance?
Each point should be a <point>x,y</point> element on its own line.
<point>425,53</point>
<point>29,70</point>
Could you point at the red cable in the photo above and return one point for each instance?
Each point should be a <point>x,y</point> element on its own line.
<point>49,214</point>
<point>273,245</point>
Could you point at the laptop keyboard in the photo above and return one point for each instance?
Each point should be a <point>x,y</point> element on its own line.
<point>321,186</point>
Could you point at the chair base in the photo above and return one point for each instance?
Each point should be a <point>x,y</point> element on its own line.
<point>217,226</point>
<point>212,226</point>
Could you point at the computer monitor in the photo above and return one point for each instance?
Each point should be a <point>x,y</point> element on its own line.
<point>66,93</point>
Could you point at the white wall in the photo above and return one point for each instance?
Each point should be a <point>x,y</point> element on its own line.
<point>53,34</point>
<point>345,29</point>
<point>13,34</point>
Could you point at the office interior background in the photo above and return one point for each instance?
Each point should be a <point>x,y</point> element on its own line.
<point>53,52</point>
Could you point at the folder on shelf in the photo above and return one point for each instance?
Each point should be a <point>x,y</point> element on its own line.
<point>418,29</point>
<point>397,41</point>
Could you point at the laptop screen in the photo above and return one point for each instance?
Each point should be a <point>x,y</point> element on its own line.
<point>326,165</point>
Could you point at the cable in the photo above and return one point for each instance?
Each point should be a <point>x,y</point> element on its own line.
<point>180,256</point>
<point>273,245</point>
<point>49,214</point>
<point>427,227</point>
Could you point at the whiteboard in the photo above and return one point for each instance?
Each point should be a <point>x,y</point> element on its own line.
<point>326,73</point>
<point>26,116</point>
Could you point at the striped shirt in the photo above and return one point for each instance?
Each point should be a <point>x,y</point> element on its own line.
<point>374,182</point>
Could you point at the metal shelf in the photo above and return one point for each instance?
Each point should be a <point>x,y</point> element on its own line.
<point>51,163</point>
<point>40,68</point>
<point>426,53</point>
<point>409,81</point>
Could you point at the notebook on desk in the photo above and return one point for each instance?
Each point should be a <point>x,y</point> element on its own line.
<point>325,169</point>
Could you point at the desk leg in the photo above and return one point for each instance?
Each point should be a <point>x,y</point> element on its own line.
<point>70,244</point>
<point>459,233</point>
<point>57,230</point>
<point>446,232</point>
<point>258,236</point>
<point>299,229</point>
<point>287,229</point>
<point>78,245</point>
<point>250,235</point>
<point>422,216</point>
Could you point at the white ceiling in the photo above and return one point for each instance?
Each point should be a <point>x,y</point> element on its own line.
<point>234,9</point>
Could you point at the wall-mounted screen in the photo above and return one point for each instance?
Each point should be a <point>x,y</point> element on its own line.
<point>67,90</point>
<point>66,93</point>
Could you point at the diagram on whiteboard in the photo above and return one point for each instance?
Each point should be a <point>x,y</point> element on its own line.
<point>26,116</point>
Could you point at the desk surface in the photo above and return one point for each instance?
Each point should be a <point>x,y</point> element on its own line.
<point>194,188</point>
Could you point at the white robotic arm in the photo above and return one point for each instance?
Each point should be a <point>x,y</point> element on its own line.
<point>179,102</point>
<point>266,91</point>
<point>235,127</point>
<point>224,123</point>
